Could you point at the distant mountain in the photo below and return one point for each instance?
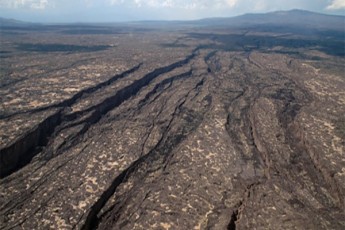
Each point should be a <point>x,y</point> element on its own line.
<point>296,18</point>
<point>279,20</point>
<point>12,22</point>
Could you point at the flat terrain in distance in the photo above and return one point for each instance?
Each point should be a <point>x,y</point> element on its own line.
<point>214,124</point>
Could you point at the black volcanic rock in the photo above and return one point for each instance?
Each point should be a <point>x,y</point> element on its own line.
<point>204,127</point>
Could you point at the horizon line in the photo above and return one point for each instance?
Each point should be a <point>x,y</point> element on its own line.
<point>168,20</point>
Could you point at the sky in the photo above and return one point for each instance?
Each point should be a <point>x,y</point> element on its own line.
<point>51,11</point>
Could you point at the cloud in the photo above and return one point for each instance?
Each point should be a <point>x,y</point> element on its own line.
<point>336,5</point>
<point>113,2</point>
<point>41,4</point>
<point>33,4</point>
<point>231,3</point>
<point>182,4</point>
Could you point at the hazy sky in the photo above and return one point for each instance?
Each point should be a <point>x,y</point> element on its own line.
<point>130,10</point>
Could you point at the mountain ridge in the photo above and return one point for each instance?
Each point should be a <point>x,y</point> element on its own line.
<point>300,18</point>
<point>293,12</point>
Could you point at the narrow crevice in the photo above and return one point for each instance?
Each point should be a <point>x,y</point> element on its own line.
<point>293,98</point>
<point>161,84</point>
<point>99,110</point>
<point>79,95</point>
<point>20,153</point>
<point>130,90</point>
<point>261,152</point>
<point>17,155</point>
<point>160,153</point>
<point>238,209</point>
<point>20,198</point>
<point>233,219</point>
<point>91,219</point>
<point>210,55</point>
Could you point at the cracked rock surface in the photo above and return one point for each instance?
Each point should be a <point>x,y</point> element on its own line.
<point>187,136</point>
